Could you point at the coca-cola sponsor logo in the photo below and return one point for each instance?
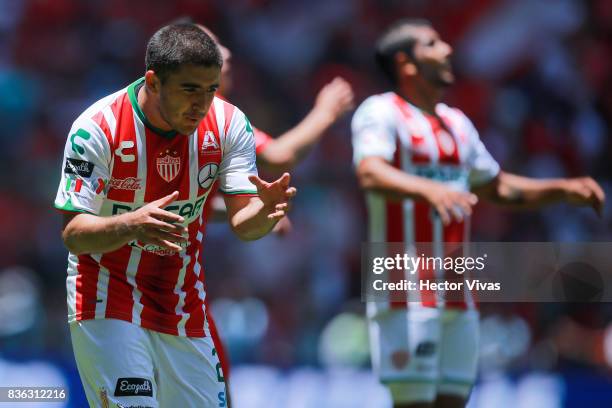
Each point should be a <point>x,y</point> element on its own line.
<point>128,183</point>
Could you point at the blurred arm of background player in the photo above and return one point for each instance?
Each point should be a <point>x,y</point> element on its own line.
<point>285,152</point>
<point>374,173</point>
<point>528,193</point>
<point>508,189</point>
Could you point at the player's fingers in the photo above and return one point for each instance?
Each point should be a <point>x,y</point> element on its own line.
<point>282,207</point>
<point>164,201</point>
<point>259,183</point>
<point>167,216</point>
<point>168,236</point>
<point>290,192</point>
<point>284,180</point>
<point>443,213</point>
<point>170,245</point>
<point>599,194</point>
<point>163,244</point>
<point>277,215</point>
<point>168,227</point>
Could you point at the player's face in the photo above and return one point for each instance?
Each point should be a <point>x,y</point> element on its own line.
<point>186,95</point>
<point>432,57</point>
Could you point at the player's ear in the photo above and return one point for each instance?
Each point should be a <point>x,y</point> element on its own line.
<point>152,81</point>
<point>404,65</point>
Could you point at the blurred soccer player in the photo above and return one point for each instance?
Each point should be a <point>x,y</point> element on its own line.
<point>138,167</point>
<point>423,166</point>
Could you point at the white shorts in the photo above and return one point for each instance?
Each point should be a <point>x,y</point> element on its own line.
<point>123,365</point>
<point>424,352</point>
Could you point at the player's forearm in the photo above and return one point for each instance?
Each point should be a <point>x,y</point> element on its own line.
<point>523,192</point>
<point>285,151</point>
<point>252,222</point>
<point>377,175</point>
<point>87,233</point>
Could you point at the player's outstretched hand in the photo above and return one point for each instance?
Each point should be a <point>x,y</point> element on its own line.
<point>585,191</point>
<point>450,203</point>
<point>153,225</point>
<point>335,98</point>
<point>276,196</point>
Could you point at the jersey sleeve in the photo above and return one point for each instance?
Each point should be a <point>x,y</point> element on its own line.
<point>482,166</point>
<point>238,161</point>
<point>373,130</point>
<point>85,169</point>
<point>261,140</point>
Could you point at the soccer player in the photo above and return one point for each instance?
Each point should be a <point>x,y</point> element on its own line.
<point>138,167</point>
<point>423,166</point>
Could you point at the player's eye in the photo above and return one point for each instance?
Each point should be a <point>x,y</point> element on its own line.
<point>189,90</point>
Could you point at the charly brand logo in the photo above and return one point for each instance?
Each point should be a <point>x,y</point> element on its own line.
<point>206,175</point>
<point>120,151</point>
<point>132,387</point>
<point>80,133</point>
<point>128,183</point>
<point>79,167</point>
<point>168,165</point>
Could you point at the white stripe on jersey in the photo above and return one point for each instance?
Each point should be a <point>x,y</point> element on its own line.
<point>101,287</point>
<point>193,195</point>
<point>110,120</point>
<point>132,269</point>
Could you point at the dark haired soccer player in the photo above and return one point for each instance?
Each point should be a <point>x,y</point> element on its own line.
<point>138,167</point>
<point>422,166</point>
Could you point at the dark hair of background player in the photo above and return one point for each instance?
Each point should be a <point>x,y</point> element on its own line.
<point>398,37</point>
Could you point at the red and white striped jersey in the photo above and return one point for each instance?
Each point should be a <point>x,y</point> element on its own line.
<point>114,162</point>
<point>387,126</point>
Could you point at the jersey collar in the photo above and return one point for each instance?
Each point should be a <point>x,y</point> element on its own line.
<point>134,101</point>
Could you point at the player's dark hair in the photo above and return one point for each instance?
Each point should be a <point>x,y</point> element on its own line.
<point>398,37</point>
<point>177,44</point>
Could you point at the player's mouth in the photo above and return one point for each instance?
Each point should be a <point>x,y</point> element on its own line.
<point>194,117</point>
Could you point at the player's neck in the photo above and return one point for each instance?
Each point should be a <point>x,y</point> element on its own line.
<point>150,107</point>
<point>423,96</point>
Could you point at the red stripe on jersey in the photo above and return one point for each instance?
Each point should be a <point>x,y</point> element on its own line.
<point>86,287</point>
<point>453,239</point>
<point>124,134</point>
<point>116,106</point>
<point>262,139</point>
<point>100,120</point>
<point>447,145</point>
<point>119,299</point>
<point>156,279</point>
<point>423,233</point>
<point>159,147</point>
<point>228,111</point>
<point>193,303</point>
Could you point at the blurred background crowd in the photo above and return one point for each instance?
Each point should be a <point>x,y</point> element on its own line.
<point>534,76</point>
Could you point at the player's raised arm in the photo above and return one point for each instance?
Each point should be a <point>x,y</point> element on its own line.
<point>88,233</point>
<point>332,102</point>
<point>523,192</point>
